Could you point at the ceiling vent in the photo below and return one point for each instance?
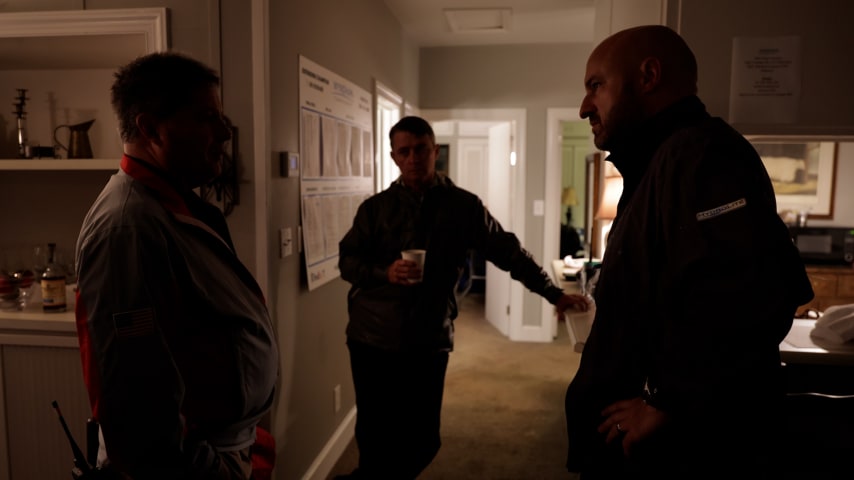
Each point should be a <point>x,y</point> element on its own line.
<point>478,20</point>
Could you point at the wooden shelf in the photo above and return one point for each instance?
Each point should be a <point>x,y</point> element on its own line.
<point>59,164</point>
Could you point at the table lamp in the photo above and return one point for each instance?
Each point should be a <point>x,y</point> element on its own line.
<point>607,210</point>
<point>568,197</point>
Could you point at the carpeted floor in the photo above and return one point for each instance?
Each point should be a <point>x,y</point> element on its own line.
<point>503,416</point>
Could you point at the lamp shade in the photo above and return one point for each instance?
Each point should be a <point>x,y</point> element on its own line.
<point>569,198</point>
<point>610,197</point>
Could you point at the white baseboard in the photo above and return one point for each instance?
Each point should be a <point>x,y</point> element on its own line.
<point>328,457</point>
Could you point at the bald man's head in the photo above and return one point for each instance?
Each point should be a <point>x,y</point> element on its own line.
<point>632,75</point>
<point>632,46</point>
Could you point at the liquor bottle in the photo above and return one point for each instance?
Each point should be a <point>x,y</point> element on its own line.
<point>53,283</point>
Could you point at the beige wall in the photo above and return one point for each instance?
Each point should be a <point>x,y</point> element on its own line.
<point>361,41</point>
<point>826,40</point>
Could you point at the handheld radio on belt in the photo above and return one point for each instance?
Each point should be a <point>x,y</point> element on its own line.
<point>81,466</point>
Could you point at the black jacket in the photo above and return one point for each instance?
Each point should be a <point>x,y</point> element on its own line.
<point>699,285</point>
<point>447,221</point>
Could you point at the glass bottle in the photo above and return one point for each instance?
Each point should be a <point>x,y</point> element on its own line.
<point>53,283</point>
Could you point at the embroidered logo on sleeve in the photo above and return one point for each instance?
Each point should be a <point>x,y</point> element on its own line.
<point>705,215</point>
<point>136,323</point>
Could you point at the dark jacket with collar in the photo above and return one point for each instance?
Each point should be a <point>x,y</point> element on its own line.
<point>699,285</point>
<point>447,221</point>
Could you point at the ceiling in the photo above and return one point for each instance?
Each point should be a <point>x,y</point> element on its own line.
<point>429,23</point>
<point>494,22</point>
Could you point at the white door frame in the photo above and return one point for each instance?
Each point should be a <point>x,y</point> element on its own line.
<point>499,199</point>
<point>554,168</point>
<point>388,106</point>
<point>517,116</point>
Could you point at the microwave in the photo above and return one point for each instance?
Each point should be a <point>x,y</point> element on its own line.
<point>825,245</point>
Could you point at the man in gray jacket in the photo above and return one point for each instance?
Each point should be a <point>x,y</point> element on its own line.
<point>179,353</point>
<point>400,332</point>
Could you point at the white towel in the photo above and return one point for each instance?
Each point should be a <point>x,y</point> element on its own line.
<point>836,325</point>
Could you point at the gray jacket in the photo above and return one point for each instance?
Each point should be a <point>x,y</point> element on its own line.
<point>179,353</point>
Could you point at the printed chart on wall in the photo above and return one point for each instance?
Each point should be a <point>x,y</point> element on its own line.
<point>336,164</point>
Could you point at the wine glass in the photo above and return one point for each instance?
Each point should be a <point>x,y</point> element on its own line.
<point>8,283</point>
<point>39,259</point>
<point>17,280</point>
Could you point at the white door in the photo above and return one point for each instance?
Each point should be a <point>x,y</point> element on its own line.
<point>497,200</point>
<point>472,165</point>
<point>499,196</point>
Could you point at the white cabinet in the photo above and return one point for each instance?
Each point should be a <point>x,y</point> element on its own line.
<point>65,60</point>
<point>33,376</point>
<point>39,363</point>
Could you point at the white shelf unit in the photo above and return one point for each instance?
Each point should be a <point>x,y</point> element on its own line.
<point>59,164</point>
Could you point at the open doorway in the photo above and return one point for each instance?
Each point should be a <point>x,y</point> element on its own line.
<point>569,192</point>
<point>486,157</point>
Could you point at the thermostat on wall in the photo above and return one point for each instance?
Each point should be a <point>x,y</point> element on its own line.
<point>289,164</point>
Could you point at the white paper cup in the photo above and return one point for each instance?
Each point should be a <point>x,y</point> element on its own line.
<point>417,256</point>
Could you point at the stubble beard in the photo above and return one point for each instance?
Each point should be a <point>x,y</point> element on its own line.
<point>621,123</point>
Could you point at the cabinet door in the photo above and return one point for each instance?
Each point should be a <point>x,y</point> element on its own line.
<point>845,285</point>
<point>823,284</point>
<point>35,376</point>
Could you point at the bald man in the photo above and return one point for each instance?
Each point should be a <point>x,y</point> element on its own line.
<point>681,375</point>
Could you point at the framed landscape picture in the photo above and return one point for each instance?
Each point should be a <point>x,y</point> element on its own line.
<point>803,172</point>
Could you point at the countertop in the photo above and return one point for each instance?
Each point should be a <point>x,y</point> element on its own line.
<point>33,326</point>
<point>799,347</point>
<point>33,318</point>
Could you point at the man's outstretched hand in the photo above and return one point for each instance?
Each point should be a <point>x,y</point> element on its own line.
<point>578,303</point>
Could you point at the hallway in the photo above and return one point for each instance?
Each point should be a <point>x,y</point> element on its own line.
<point>502,416</point>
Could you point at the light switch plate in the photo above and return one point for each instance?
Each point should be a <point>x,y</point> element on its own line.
<point>289,164</point>
<point>286,242</point>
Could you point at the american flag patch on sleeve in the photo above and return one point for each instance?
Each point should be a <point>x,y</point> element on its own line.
<point>136,323</point>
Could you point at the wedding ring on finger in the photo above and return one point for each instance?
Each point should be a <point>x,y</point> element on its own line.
<point>619,429</point>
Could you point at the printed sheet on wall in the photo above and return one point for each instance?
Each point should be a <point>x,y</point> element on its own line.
<point>336,173</point>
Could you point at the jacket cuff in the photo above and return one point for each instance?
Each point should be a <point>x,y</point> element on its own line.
<point>553,294</point>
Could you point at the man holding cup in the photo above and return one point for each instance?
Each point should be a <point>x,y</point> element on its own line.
<point>401,311</point>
